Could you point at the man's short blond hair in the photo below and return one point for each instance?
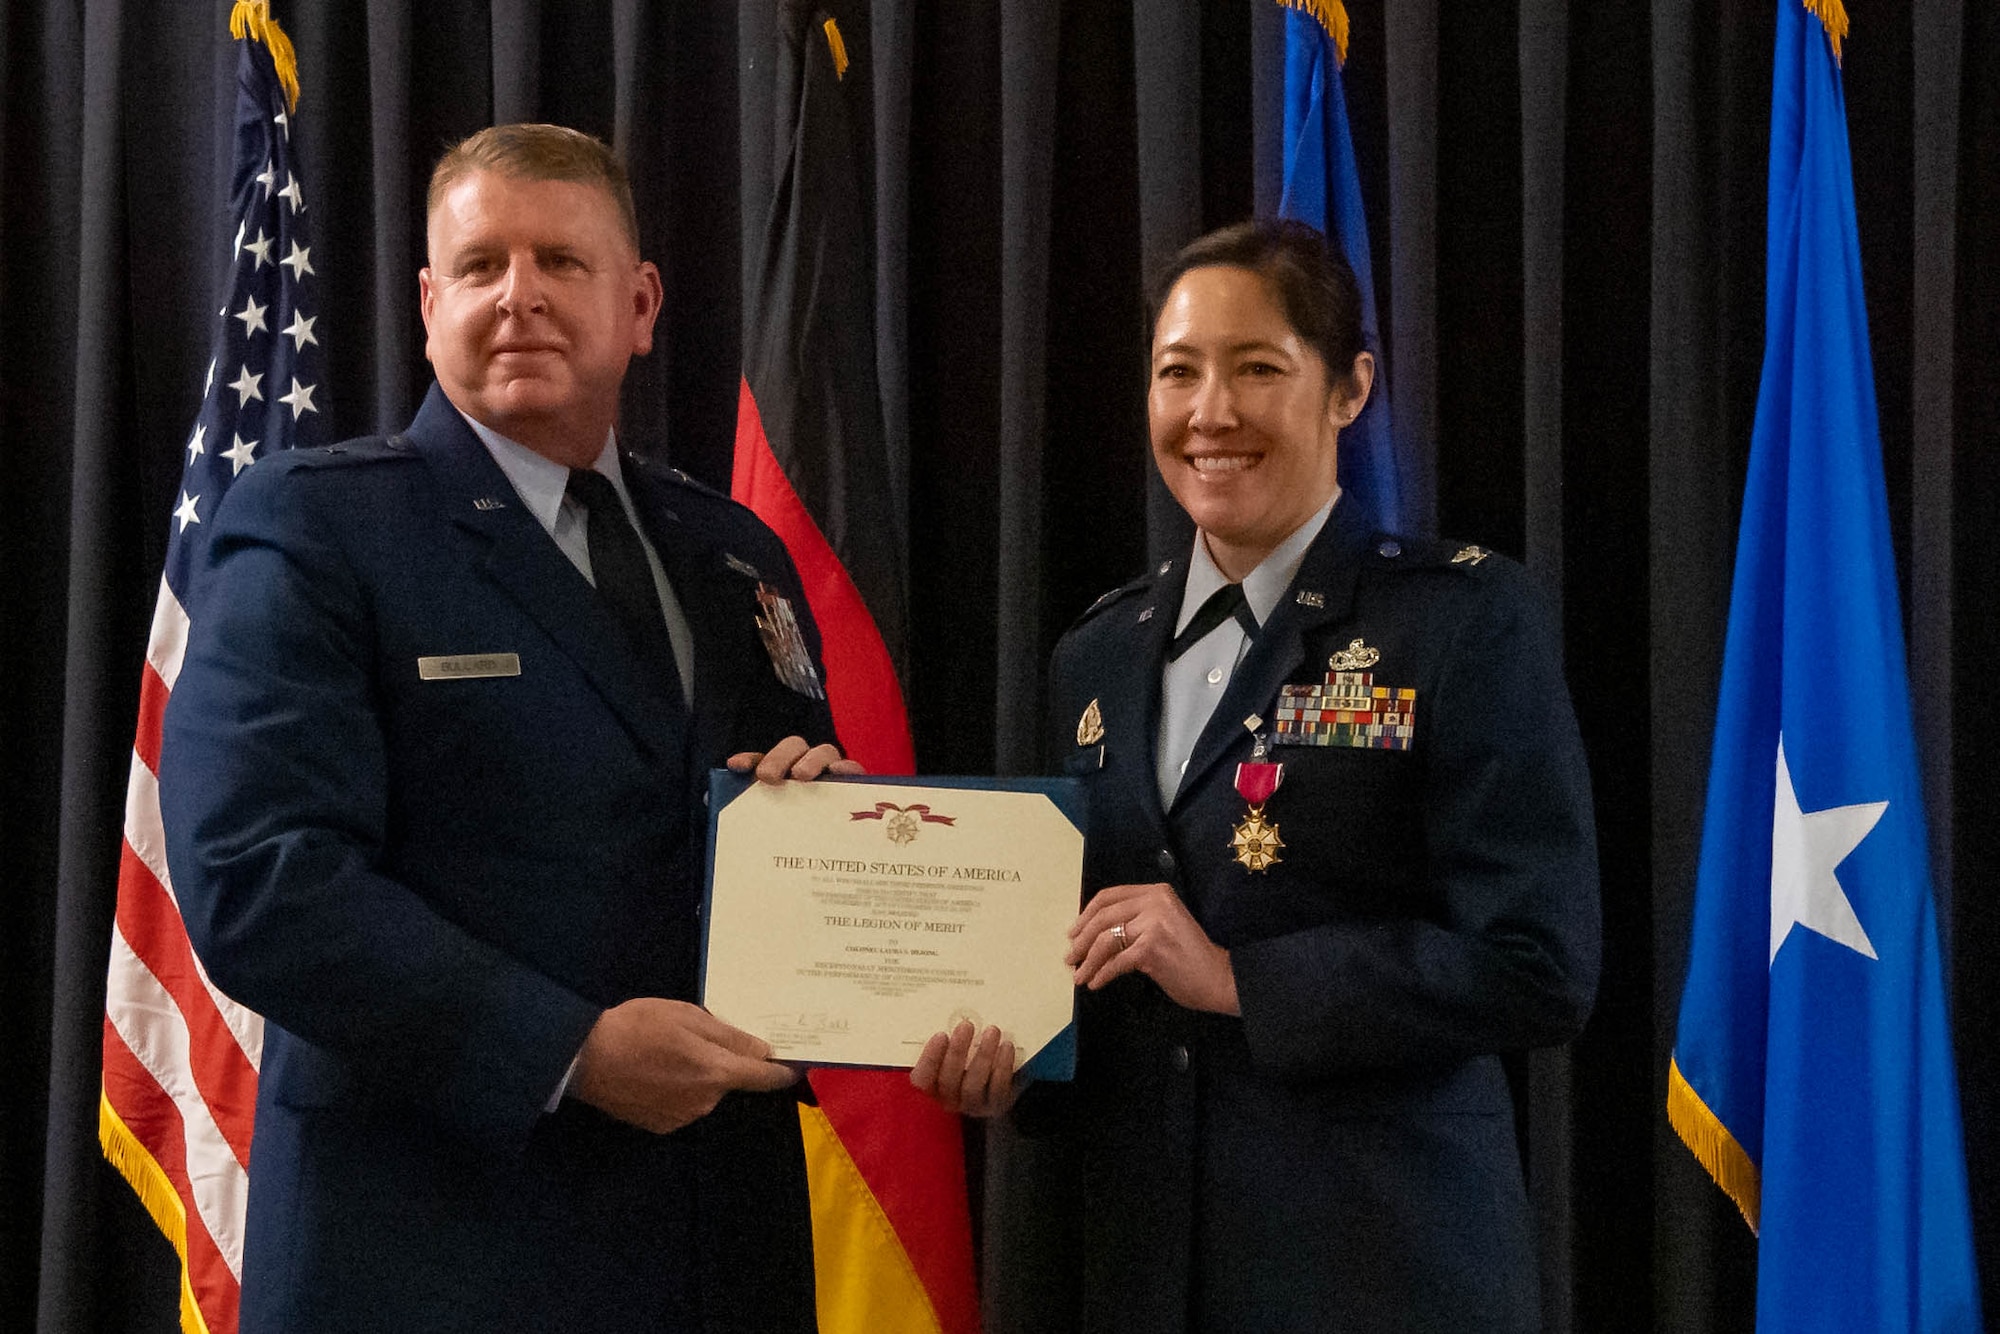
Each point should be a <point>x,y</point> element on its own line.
<point>538,153</point>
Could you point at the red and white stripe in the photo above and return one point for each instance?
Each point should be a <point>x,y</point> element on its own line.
<point>180,1058</point>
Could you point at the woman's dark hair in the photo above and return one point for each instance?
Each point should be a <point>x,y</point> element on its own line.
<point>1311,279</point>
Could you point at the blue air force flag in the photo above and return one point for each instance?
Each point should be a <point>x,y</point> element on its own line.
<point>1322,186</point>
<point>1812,1071</point>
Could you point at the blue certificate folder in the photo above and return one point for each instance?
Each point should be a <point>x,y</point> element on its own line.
<point>1057,1058</point>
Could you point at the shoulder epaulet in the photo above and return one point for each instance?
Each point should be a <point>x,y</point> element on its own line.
<point>675,477</point>
<point>1125,590</point>
<point>349,453</point>
<point>1418,553</point>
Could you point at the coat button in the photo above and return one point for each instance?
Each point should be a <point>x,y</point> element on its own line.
<point>1166,861</point>
<point>1179,1056</point>
<point>1390,549</point>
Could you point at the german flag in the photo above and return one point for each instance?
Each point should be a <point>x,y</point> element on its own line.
<point>892,1235</point>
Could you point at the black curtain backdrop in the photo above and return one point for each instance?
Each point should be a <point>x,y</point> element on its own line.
<point>1568,218</point>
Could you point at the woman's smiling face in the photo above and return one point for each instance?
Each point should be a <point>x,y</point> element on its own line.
<point>1245,421</point>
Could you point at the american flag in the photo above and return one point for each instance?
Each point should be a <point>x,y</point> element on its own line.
<point>180,1058</point>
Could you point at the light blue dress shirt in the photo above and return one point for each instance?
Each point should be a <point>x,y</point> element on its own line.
<point>543,486</point>
<point>1193,684</point>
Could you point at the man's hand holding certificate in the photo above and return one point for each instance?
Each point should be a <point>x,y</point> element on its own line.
<point>848,921</point>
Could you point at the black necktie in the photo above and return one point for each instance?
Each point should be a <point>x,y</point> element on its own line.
<point>623,578</point>
<point>1223,603</point>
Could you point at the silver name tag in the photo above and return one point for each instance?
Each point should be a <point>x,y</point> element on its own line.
<point>468,666</point>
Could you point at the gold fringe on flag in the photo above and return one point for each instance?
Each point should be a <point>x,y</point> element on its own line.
<point>252,19</point>
<point>123,1151</point>
<point>838,45</point>
<point>1712,1144</point>
<point>1332,16</point>
<point>1833,15</point>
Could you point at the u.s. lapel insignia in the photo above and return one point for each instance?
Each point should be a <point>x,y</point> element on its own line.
<point>778,627</point>
<point>741,566</point>
<point>1356,657</point>
<point>1308,598</point>
<point>489,503</point>
<point>1090,727</point>
<point>1470,555</point>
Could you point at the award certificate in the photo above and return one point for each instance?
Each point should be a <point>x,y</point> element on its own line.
<point>849,919</point>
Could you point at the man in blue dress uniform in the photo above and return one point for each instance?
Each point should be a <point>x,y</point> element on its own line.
<point>431,783</point>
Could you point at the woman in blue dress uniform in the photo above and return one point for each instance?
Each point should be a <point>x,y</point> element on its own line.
<point>1339,860</point>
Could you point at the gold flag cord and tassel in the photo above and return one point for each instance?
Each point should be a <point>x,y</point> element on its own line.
<point>252,19</point>
<point>838,46</point>
<point>1832,15</point>
<point>1332,15</point>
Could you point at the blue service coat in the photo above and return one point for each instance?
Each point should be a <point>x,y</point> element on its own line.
<point>1343,1156</point>
<point>431,889</point>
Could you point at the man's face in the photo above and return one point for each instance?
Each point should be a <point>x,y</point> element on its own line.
<point>534,302</point>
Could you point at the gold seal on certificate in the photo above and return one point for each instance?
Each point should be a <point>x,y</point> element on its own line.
<point>850,919</point>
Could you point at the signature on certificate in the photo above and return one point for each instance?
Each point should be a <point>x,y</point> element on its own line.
<point>807,1021</point>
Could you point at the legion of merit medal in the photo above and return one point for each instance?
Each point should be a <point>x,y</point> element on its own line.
<point>1256,840</point>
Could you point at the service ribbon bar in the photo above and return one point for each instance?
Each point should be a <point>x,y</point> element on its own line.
<point>1349,709</point>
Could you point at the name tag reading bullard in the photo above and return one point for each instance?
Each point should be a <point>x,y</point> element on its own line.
<point>849,919</point>
<point>468,666</point>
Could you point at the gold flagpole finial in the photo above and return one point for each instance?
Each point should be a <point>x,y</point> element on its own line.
<point>1332,15</point>
<point>252,19</point>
